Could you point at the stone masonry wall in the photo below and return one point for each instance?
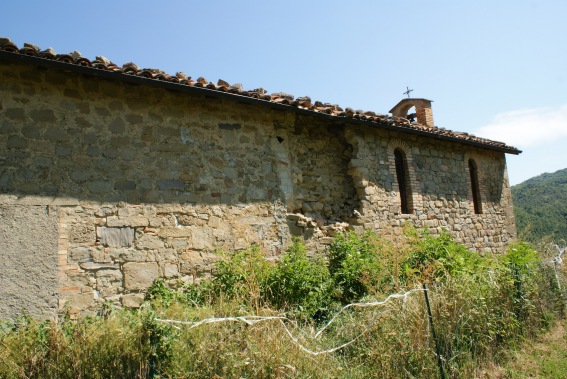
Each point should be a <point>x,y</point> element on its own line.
<point>440,187</point>
<point>145,182</point>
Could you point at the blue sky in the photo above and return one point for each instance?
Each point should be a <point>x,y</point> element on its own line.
<point>497,69</point>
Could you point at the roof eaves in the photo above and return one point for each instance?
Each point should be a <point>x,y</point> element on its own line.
<point>103,68</point>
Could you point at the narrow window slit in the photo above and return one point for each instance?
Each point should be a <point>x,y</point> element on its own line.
<point>475,187</point>
<point>402,176</point>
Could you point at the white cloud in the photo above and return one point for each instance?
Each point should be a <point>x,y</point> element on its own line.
<point>527,127</point>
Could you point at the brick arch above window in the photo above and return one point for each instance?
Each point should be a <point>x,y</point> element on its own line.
<point>413,198</point>
<point>397,143</point>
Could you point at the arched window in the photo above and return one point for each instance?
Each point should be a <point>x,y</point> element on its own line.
<point>473,172</point>
<point>402,175</point>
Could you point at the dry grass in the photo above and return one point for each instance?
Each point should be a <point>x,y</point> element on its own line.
<point>480,316</point>
<point>544,358</point>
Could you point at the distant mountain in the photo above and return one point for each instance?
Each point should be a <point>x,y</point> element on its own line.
<point>540,204</point>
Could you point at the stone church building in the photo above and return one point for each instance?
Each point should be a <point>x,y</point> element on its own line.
<point>112,176</point>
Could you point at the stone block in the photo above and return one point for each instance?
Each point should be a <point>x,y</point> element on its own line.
<point>72,93</point>
<point>93,151</point>
<point>109,278</point>
<point>186,220</point>
<point>230,172</point>
<point>100,187</point>
<point>64,200</point>
<point>170,148</point>
<point>15,142</point>
<point>128,255</point>
<point>81,301</point>
<point>43,115</point>
<point>171,185</point>
<point>109,293</point>
<point>15,114</point>
<point>105,211</point>
<point>79,254</point>
<point>56,134</point>
<point>134,118</point>
<point>133,221</point>
<point>133,300</point>
<point>112,273</point>
<point>174,232</point>
<point>119,142</point>
<point>225,126</point>
<point>139,275</point>
<point>214,222</point>
<point>326,240</point>
<point>80,175</point>
<point>179,243</point>
<point>99,255</point>
<point>91,266</point>
<point>115,237</point>
<point>201,238</point>
<point>124,185</point>
<point>195,262</point>
<point>116,126</point>
<point>149,242</point>
<point>41,161</point>
<point>170,270</point>
<point>64,152</point>
<point>164,255</point>
<point>82,233</point>
<point>78,279</point>
<point>111,152</point>
<point>6,127</point>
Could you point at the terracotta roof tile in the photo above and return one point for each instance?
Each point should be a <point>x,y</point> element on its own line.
<point>6,44</point>
<point>30,49</point>
<point>303,102</point>
<point>47,54</point>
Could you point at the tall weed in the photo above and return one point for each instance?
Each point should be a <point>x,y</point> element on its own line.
<point>300,284</point>
<point>481,306</point>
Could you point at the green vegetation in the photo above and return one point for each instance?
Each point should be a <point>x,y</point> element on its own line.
<point>540,205</point>
<point>543,359</point>
<point>482,306</point>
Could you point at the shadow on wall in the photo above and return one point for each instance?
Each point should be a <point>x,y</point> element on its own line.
<point>66,136</point>
<point>110,142</point>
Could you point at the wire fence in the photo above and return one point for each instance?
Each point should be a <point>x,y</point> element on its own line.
<point>251,320</point>
<point>390,337</point>
<point>556,262</point>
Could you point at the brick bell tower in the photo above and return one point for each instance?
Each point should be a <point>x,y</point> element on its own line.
<point>423,111</point>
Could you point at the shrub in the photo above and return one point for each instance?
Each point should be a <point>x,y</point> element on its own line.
<point>435,257</point>
<point>530,287</point>
<point>193,294</point>
<point>354,265</point>
<point>242,276</point>
<point>480,305</point>
<point>299,283</point>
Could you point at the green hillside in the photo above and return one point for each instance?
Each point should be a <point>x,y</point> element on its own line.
<point>540,204</point>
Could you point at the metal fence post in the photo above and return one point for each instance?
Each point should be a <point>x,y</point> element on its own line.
<point>439,361</point>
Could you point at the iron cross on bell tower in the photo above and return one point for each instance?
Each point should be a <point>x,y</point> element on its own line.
<point>408,91</point>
